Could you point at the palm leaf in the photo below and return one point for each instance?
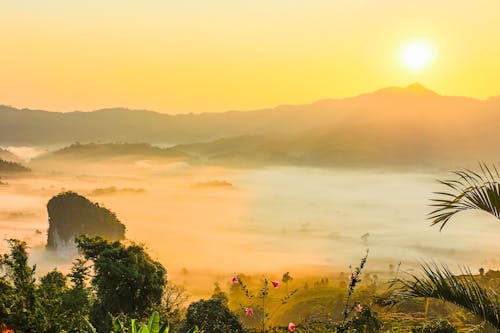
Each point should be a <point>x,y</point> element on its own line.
<point>90,327</point>
<point>463,290</point>
<point>469,191</point>
<point>154,323</point>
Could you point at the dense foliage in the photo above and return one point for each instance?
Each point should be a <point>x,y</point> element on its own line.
<point>114,283</point>
<point>127,281</point>
<point>212,316</point>
<point>48,306</point>
<point>6,166</point>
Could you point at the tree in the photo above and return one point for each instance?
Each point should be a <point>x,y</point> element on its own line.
<point>126,280</point>
<point>211,316</point>
<point>78,297</point>
<point>173,309</point>
<point>286,279</point>
<point>19,287</point>
<point>470,191</point>
<point>219,294</point>
<point>50,296</point>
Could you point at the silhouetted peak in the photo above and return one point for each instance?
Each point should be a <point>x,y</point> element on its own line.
<point>417,87</point>
<point>412,89</point>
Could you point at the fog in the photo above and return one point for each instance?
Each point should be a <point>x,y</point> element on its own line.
<point>213,221</point>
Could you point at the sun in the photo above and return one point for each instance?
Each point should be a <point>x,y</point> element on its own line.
<point>417,55</point>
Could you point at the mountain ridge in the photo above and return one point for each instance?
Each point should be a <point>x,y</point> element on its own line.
<point>386,109</point>
<point>415,88</point>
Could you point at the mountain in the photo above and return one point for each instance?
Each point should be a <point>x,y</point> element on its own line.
<point>396,125</point>
<point>37,127</point>
<point>104,151</point>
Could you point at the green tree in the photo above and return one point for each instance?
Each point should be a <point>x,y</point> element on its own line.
<point>126,280</point>
<point>78,297</point>
<point>51,312</point>
<point>469,191</point>
<point>211,316</point>
<point>219,294</point>
<point>19,286</point>
<point>286,279</point>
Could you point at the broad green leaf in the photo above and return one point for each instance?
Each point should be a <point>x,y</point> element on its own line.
<point>133,328</point>
<point>117,326</point>
<point>154,323</point>
<point>144,329</point>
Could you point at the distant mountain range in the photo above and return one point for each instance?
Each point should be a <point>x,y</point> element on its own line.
<point>397,125</point>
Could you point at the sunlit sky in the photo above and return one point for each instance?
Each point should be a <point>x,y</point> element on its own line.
<point>217,55</point>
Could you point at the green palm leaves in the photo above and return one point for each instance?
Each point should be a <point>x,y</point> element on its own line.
<point>152,327</point>
<point>471,190</point>
<point>437,281</point>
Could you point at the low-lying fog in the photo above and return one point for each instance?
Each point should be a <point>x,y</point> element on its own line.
<point>217,220</point>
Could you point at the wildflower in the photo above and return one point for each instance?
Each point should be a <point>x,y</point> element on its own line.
<point>234,279</point>
<point>292,327</point>
<point>248,311</point>
<point>276,283</point>
<point>358,308</point>
<point>351,277</point>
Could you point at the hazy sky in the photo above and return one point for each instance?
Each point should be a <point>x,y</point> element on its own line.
<point>215,55</point>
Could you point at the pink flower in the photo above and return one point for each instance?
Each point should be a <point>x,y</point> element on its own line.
<point>234,279</point>
<point>248,311</point>
<point>292,327</point>
<point>351,276</point>
<point>358,308</point>
<point>276,283</point>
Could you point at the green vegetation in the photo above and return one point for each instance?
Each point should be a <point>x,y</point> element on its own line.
<point>127,281</point>
<point>115,283</point>
<point>440,326</point>
<point>102,151</point>
<point>153,326</point>
<point>470,191</point>
<point>48,306</point>
<point>71,215</point>
<point>212,316</point>
<point>6,166</point>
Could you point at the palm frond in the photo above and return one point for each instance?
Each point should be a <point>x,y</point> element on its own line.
<point>463,290</point>
<point>469,191</point>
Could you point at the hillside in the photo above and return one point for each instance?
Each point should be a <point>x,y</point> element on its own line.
<point>386,107</point>
<point>8,167</point>
<point>103,151</point>
<point>397,126</point>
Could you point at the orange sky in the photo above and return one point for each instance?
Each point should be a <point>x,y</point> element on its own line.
<point>207,56</point>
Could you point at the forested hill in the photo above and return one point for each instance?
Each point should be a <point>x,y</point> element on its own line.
<point>9,167</point>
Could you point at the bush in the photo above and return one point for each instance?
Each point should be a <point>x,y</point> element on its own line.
<point>441,326</point>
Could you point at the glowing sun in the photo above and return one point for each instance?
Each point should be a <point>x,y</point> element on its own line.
<point>417,55</point>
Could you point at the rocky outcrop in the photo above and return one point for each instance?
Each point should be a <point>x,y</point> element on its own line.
<point>71,215</point>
